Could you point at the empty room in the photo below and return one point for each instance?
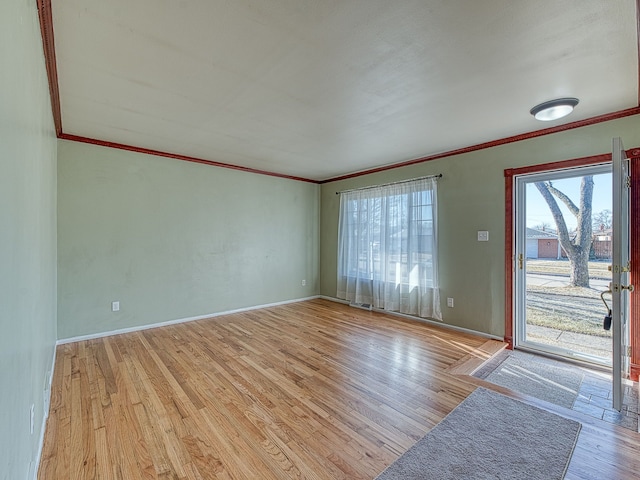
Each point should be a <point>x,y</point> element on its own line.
<point>319,239</point>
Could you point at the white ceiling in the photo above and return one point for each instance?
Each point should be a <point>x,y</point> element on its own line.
<point>322,88</point>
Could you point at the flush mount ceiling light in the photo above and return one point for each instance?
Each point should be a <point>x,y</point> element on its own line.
<point>554,109</point>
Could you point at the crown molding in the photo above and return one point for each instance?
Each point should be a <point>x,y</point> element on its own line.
<point>48,42</point>
<point>177,156</point>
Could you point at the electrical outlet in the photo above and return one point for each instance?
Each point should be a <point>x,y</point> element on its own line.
<point>115,306</point>
<point>304,283</point>
<point>32,418</point>
<point>450,302</point>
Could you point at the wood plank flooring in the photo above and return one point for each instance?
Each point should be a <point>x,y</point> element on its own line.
<point>313,390</point>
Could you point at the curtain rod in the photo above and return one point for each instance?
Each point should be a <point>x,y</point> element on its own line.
<point>390,183</point>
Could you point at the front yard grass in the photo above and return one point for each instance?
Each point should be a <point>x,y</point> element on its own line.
<point>597,269</point>
<point>576,324</point>
<point>576,310</point>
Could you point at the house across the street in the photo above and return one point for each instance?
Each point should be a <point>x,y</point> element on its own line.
<point>543,244</point>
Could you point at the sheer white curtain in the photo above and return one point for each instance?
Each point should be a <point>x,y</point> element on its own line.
<point>387,248</point>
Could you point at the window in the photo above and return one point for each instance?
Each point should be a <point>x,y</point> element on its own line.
<point>387,254</point>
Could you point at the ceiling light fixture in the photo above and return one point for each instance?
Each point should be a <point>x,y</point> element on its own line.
<point>554,109</point>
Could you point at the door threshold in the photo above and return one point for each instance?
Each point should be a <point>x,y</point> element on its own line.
<point>579,359</point>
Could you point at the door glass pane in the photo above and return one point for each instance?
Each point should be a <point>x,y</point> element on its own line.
<point>567,248</point>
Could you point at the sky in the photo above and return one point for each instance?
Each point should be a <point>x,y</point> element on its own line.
<point>538,210</point>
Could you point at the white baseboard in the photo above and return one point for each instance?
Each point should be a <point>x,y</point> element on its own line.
<point>334,299</point>
<point>35,464</point>
<point>420,319</point>
<point>139,328</point>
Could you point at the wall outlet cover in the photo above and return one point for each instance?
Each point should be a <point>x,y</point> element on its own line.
<point>32,419</point>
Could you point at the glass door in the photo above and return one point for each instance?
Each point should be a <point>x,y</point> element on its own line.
<point>563,239</point>
<point>621,267</point>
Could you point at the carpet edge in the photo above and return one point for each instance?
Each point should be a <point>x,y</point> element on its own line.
<point>480,391</point>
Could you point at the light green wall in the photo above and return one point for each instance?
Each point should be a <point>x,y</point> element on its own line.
<point>471,198</point>
<point>27,236</point>
<point>170,239</point>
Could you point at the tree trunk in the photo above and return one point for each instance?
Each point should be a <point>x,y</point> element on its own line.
<point>579,248</point>
<point>579,276</point>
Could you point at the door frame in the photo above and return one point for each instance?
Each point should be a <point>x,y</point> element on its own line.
<point>509,252</point>
<point>634,215</point>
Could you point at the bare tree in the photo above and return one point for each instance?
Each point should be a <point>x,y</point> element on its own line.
<point>544,226</point>
<point>577,246</point>
<point>602,220</point>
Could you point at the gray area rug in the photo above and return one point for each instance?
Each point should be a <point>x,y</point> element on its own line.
<point>557,382</point>
<point>536,376</point>
<point>490,436</point>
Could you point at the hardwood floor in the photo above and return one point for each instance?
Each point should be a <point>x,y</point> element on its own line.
<point>313,390</point>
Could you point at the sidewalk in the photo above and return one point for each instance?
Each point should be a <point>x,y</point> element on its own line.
<point>589,344</point>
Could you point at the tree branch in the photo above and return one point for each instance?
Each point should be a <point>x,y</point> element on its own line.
<point>564,199</point>
<point>563,231</point>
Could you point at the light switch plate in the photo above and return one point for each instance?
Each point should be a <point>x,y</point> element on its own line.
<point>483,236</point>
